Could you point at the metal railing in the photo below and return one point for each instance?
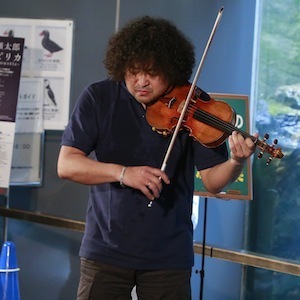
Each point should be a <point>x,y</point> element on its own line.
<point>242,257</point>
<point>251,259</point>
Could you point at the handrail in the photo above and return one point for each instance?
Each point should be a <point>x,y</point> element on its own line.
<point>242,257</point>
<point>251,259</point>
<point>42,219</point>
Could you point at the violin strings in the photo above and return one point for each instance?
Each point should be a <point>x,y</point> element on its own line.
<point>209,119</point>
<point>214,121</point>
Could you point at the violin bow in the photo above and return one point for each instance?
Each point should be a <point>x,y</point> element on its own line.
<point>189,96</point>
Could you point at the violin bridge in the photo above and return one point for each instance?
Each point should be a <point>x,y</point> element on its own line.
<point>180,106</point>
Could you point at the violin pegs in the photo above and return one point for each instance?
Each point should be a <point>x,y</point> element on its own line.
<point>275,142</point>
<point>269,160</point>
<point>260,154</point>
<point>266,136</point>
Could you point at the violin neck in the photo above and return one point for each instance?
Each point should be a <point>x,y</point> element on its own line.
<point>228,128</point>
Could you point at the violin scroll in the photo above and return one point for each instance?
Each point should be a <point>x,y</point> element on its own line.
<point>272,150</point>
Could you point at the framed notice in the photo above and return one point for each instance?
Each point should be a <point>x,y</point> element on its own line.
<point>48,56</point>
<point>28,148</point>
<point>27,159</point>
<point>241,189</point>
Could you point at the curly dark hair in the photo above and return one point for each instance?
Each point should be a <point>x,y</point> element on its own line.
<point>152,45</point>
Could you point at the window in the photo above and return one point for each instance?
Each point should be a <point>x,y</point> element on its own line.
<point>275,212</point>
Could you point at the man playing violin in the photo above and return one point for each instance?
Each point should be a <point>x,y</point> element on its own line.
<point>126,243</point>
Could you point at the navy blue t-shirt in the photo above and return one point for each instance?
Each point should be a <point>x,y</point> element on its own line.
<point>120,228</point>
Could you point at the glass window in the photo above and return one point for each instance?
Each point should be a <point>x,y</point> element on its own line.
<point>275,212</point>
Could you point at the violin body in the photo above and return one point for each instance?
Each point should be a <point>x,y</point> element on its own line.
<point>163,115</point>
<point>209,121</point>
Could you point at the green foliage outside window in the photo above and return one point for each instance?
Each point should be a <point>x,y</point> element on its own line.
<point>275,211</point>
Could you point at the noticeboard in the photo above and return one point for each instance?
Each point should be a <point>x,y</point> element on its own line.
<point>47,56</point>
<point>11,58</point>
<point>27,159</point>
<point>241,188</point>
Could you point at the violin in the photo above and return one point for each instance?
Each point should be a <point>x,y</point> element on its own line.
<point>208,121</point>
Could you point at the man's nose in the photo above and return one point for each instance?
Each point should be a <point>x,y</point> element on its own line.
<point>143,79</point>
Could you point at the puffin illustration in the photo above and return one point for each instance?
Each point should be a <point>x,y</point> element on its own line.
<point>9,33</point>
<point>49,91</point>
<point>48,44</point>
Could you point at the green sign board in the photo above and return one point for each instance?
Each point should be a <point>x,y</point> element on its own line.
<point>241,189</point>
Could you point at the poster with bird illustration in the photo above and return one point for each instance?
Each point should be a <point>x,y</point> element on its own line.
<point>241,188</point>
<point>48,56</point>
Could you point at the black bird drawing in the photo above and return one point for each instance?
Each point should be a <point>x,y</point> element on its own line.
<point>49,91</point>
<point>48,44</point>
<point>9,33</point>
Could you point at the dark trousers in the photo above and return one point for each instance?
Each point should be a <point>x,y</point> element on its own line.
<point>105,282</point>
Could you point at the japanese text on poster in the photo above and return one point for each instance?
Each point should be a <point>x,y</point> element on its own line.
<point>11,52</point>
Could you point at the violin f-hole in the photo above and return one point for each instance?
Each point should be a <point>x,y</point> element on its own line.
<point>171,102</point>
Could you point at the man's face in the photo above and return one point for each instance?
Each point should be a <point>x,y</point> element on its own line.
<point>144,86</point>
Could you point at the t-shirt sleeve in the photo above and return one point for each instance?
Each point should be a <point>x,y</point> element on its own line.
<point>208,157</point>
<point>82,129</point>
